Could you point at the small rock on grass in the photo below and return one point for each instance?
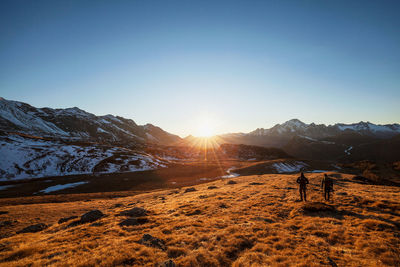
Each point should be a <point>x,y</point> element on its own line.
<point>33,228</point>
<point>331,262</point>
<point>150,241</point>
<point>190,189</point>
<point>134,212</point>
<point>231,182</point>
<point>212,187</point>
<point>91,216</point>
<point>167,263</point>
<point>133,221</point>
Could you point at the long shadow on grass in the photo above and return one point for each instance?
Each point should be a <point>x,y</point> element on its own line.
<point>340,215</point>
<point>364,217</point>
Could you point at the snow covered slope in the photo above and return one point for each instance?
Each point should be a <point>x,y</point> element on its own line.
<point>23,157</point>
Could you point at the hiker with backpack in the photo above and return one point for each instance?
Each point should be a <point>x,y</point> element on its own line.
<point>302,181</point>
<point>327,185</point>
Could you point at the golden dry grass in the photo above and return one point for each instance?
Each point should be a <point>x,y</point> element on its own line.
<point>256,222</point>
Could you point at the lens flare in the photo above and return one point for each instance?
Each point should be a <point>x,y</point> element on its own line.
<point>205,130</point>
<point>205,127</point>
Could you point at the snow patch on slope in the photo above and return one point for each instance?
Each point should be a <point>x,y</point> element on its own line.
<point>347,151</point>
<point>285,167</point>
<point>61,187</point>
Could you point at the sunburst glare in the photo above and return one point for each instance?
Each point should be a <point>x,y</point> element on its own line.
<point>205,128</point>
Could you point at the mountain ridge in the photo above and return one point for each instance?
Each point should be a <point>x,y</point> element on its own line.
<point>365,128</point>
<point>16,115</point>
<point>340,142</point>
<point>76,123</point>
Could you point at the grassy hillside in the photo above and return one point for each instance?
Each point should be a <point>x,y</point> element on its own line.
<point>258,221</point>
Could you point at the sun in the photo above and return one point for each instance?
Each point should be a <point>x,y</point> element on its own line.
<point>205,130</point>
<point>205,127</point>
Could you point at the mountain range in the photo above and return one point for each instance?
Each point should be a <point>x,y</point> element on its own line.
<point>297,127</point>
<point>344,142</point>
<point>75,123</point>
<point>68,141</point>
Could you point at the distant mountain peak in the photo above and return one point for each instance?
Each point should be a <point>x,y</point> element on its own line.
<point>295,123</point>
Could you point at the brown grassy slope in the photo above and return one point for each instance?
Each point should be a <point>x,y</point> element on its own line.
<point>256,222</point>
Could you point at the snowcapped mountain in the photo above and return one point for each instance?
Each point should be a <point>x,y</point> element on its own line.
<point>297,127</point>
<point>367,128</point>
<point>74,123</point>
<point>332,142</point>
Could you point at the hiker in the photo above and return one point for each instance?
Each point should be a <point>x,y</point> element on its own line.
<point>302,181</point>
<point>327,185</point>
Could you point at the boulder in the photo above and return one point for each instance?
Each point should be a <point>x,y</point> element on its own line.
<point>134,212</point>
<point>33,228</point>
<point>91,216</point>
<point>150,241</point>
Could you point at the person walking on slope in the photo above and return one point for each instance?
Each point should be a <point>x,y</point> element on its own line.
<point>302,181</point>
<point>327,185</point>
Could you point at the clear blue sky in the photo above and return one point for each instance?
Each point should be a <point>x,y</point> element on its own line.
<point>241,64</point>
